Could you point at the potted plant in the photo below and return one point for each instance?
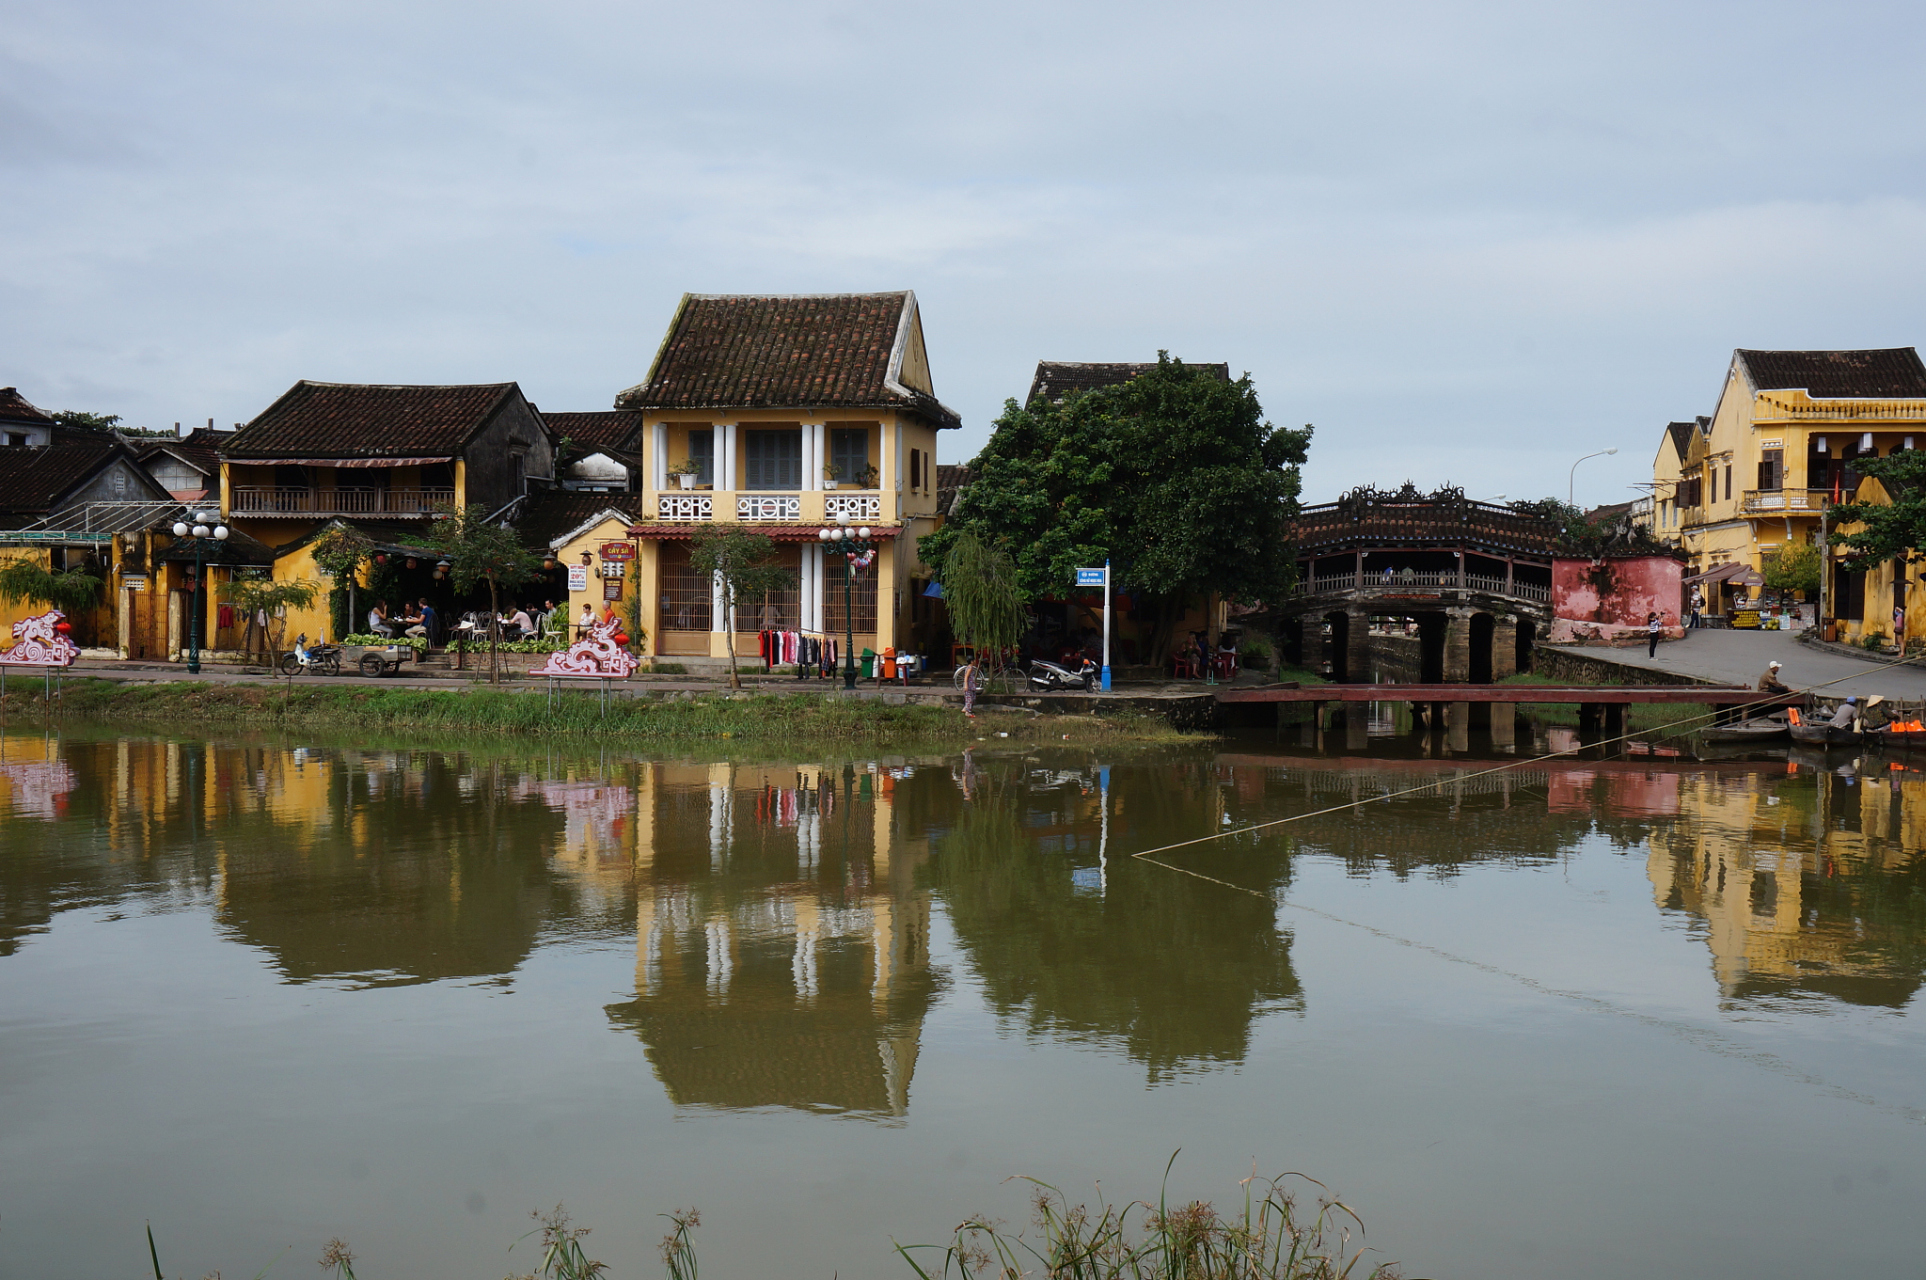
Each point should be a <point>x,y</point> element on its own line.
<point>830,477</point>
<point>868,479</point>
<point>686,472</point>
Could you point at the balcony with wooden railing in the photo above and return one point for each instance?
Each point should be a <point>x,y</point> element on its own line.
<point>1783,502</point>
<point>342,500</point>
<point>794,506</point>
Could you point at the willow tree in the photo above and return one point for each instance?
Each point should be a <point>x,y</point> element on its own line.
<point>263,598</point>
<point>984,597</point>
<point>68,590</point>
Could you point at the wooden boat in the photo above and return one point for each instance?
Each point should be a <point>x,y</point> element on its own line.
<point>1902,739</point>
<point>1826,735</point>
<point>1746,731</point>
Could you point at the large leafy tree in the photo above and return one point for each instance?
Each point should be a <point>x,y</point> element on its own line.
<point>482,552</point>
<point>1887,532</point>
<point>340,553</point>
<point>980,587</point>
<point>746,562</point>
<point>1174,476</point>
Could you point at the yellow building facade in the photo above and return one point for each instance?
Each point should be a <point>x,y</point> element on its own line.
<point>786,415</point>
<point>1760,473</point>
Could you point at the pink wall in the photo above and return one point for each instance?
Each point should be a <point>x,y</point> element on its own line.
<point>1617,592</point>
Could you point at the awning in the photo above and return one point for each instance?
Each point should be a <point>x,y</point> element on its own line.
<point>1747,578</point>
<point>934,591</point>
<point>337,462</point>
<point>1718,573</point>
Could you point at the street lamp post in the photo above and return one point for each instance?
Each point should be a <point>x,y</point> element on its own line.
<point>1571,479</point>
<point>852,545</point>
<point>206,527</point>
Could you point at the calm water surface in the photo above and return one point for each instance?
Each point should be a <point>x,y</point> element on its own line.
<point>1591,1020</point>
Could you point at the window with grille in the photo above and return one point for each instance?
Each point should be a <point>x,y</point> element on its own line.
<point>685,591</point>
<point>772,459</point>
<point>862,598</point>
<point>780,610</point>
<point>849,452</point>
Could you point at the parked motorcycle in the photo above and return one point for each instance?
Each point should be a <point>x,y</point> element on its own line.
<point>1048,676</point>
<point>317,659</point>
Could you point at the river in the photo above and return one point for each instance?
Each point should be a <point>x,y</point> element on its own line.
<point>1580,1018</point>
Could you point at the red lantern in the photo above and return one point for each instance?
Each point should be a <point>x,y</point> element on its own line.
<point>620,639</point>
<point>63,626</point>
<point>381,559</point>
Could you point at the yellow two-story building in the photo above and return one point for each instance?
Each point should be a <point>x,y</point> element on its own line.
<point>1778,451</point>
<point>786,415</point>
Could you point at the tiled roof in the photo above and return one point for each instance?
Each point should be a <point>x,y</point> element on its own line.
<point>340,420</point>
<point>201,458</point>
<point>950,478</point>
<point>553,512</point>
<point>1681,434</point>
<point>1056,379</point>
<point>609,431</point>
<point>742,351</point>
<point>34,480</point>
<point>15,407</point>
<point>1838,375</point>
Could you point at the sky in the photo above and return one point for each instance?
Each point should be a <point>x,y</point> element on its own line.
<point>1470,243</point>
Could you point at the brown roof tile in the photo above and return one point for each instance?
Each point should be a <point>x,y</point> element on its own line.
<point>15,407</point>
<point>33,481</point>
<point>1056,379</point>
<point>609,431</point>
<point>742,351</point>
<point>553,512</point>
<point>1838,375</point>
<point>340,420</point>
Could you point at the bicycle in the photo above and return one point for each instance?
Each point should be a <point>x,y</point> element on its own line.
<point>1004,679</point>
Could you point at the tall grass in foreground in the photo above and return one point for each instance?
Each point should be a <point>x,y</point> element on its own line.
<point>1272,1238</point>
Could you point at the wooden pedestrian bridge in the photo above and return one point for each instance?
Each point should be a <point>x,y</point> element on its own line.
<point>1599,706</point>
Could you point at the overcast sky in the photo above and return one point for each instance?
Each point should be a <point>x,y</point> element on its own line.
<point>1469,242</point>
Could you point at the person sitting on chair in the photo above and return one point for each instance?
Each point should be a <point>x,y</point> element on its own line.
<point>1770,682</point>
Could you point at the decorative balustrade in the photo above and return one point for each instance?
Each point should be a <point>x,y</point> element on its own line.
<point>1783,501</point>
<point>685,507</point>
<point>762,508</point>
<point>1405,579</point>
<point>854,506</point>
<point>342,500</point>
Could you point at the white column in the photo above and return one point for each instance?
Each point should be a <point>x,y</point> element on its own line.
<point>896,453</point>
<point>812,456</point>
<point>806,585</point>
<point>659,461</point>
<point>718,613</point>
<point>726,455</point>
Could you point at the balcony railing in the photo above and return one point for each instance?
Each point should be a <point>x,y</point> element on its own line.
<point>685,507</point>
<point>854,506</point>
<point>766,508</point>
<point>1763,502</point>
<point>279,500</point>
<point>1348,583</point>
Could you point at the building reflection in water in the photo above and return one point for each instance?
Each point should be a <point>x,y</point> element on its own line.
<point>782,941</point>
<point>1802,888</point>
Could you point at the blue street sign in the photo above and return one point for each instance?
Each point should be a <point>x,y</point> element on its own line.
<point>1091,577</point>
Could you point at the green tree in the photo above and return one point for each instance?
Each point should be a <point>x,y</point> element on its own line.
<point>68,590</point>
<point>1795,568</point>
<point>482,552</point>
<point>340,553</point>
<point>1887,532</point>
<point>746,563</point>
<point>97,421</point>
<point>1174,476</point>
<point>258,596</point>
<point>980,588</point>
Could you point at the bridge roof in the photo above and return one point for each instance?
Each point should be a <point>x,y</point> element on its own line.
<point>1368,518</point>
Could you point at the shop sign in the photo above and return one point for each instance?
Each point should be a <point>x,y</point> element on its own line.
<point>618,551</point>
<point>612,589</point>
<point>578,577</point>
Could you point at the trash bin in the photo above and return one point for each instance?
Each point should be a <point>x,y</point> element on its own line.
<point>869,663</point>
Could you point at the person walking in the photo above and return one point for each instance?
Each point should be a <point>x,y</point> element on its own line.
<point>969,688</point>
<point>1652,629</point>
<point>1698,605</point>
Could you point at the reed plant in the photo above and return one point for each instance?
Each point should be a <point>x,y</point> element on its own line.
<point>1272,1237</point>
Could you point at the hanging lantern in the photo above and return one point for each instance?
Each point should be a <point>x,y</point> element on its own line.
<point>63,626</point>
<point>411,562</point>
<point>381,559</point>
<point>548,561</point>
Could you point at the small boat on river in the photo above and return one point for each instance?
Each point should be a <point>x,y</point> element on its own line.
<point>1826,735</point>
<point>1898,737</point>
<point>1746,731</point>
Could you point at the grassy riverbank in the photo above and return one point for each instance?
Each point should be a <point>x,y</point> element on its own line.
<point>467,710</point>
